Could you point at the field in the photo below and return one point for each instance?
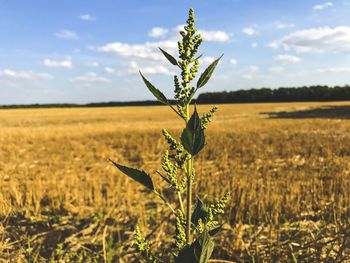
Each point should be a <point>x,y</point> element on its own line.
<point>287,166</point>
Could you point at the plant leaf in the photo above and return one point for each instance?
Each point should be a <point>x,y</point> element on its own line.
<point>205,76</point>
<point>198,252</point>
<point>214,231</point>
<point>192,137</point>
<point>137,175</point>
<point>164,178</point>
<point>169,57</point>
<point>200,211</point>
<point>207,247</point>
<point>188,254</point>
<point>156,92</point>
<point>201,55</point>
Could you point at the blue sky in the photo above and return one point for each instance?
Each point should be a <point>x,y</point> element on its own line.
<point>88,51</point>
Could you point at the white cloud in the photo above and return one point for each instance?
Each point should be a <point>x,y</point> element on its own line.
<point>233,61</point>
<point>87,17</point>
<point>66,34</point>
<point>136,54</point>
<point>251,72</point>
<point>67,63</point>
<point>207,60</point>
<point>215,36</point>
<point>273,44</point>
<point>287,59</point>
<point>253,68</point>
<point>334,70</point>
<point>254,45</point>
<point>134,68</point>
<point>276,70</point>
<point>90,78</point>
<point>93,64</point>
<point>148,50</point>
<point>321,39</point>
<point>322,6</point>
<point>12,74</point>
<point>109,70</point>
<point>158,32</point>
<point>280,25</point>
<point>250,31</point>
<point>209,35</point>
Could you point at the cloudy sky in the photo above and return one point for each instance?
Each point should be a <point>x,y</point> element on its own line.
<point>91,50</point>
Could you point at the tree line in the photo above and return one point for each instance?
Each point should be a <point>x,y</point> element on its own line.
<point>288,94</point>
<point>87,105</point>
<point>311,93</point>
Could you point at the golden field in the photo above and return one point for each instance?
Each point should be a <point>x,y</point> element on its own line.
<point>287,166</point>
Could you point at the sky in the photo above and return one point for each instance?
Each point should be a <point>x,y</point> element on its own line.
<point>80,51</point>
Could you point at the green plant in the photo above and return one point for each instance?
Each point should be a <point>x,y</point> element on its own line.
<point>197,222</point>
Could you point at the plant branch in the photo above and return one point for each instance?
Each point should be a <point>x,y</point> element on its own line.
<point>171,106</point>
<point>181,203</point>
<point>165,201</point>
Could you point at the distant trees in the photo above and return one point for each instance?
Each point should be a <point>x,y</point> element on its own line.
<point>312,93</point>
<point>88,105</point>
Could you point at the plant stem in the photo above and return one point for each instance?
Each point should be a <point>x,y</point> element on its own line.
<point>189,188</point>
<point>180,201</point>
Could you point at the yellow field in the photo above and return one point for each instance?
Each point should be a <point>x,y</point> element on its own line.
<point>289,175</point>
